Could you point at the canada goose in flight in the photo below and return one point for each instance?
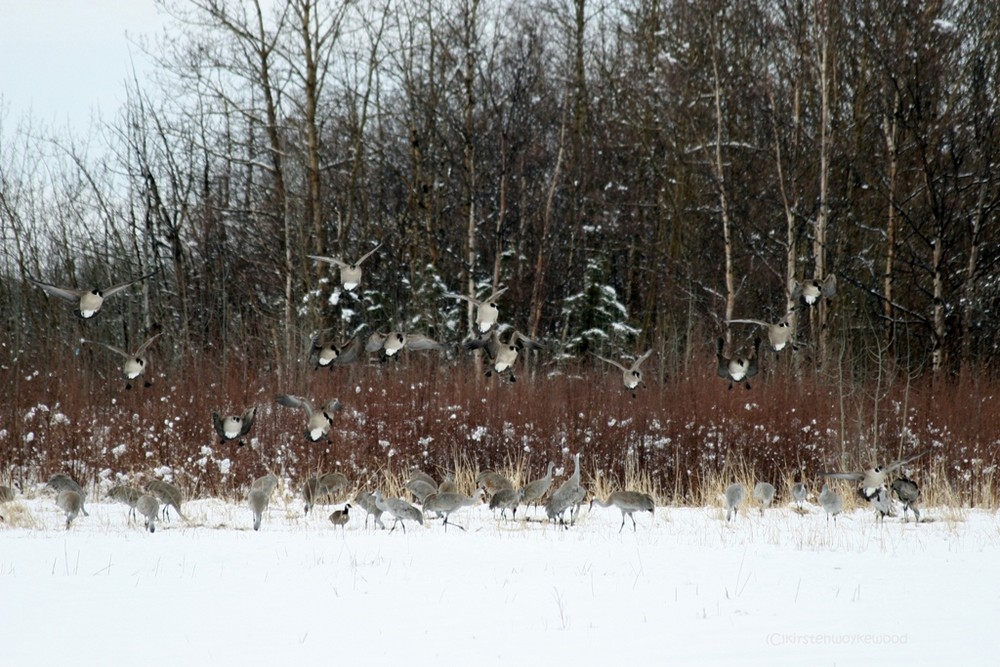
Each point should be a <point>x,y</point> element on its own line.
<point>486,310</point>
<point>811,290</point>
<point>88,302</point>
<point>737,369</point>
<point>391,344</point>
<point>779,334</point>
<point>631,376</point>
<point>874,478</point>
<point>736,493</point>
<point>503,355</point>
<point>628,502</point>
<point>908,493</point>
<point>830,501</point>
<point>366,501</point>
<point>233,427</point>
<point>350,272</point>
<point>763,493</point>
<point>135,362</point>
<point>328,354</point>
<point>318,425</point>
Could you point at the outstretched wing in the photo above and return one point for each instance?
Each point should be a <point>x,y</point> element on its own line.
<point>375,342</point>
<point>613,363</point>
<point>349,353</point>
<point>638,362</point>
<point>496,295</point>
<point>66,294</point>
<point>116,350</point>
<point>248,417</point>
<point>142,348</point>
<point>853,476</point>
<point>757,322</point>
<point>114,289</point>
<point>290,401</point>
<point>519,340</point>
<point>899,464</point>
<point>367,255</point>
<point>329,260</point>
<point>488,343</point>
<point>452,295</point>
<point>419,342</point>
<point>217,423</point>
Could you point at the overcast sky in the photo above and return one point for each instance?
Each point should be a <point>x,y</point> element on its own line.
<point>65,60</point>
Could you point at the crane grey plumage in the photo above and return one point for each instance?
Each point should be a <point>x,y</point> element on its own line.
<point>628,502</point>
<point>88,302</point>
<point>492,482</point>
<point>535,490</point>
<point>60,482</point>
<point>908,493</point>
<point>366,501</point>
<point>448,503</point>
<point>420,489</point>
<point>267,483</point>
<point>567,497</point>
<point>737,369</point>
<point>763,493</point>
<point>149,508</point>
<point>318,421</point>
<point>323,488</point>
<point>736,493</point>
<point>799,493</point>
<point>631,376</point>
<point>881,502</point>
<point>830,502</point>
<point>350,272</point>
<point>129,495</point>
<point>506,499</point>
<point>71,503</point>
<point>135,362</point>
<point>168,494</point>
<point>400,510</point>
<point>234,427</point>
<point>258,501</point>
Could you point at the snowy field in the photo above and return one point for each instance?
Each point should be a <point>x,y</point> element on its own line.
<point>686,588</point>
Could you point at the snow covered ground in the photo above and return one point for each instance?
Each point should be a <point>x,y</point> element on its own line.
<point>686,588</point>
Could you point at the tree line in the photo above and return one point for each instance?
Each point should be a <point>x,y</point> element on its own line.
<point>636,173</point>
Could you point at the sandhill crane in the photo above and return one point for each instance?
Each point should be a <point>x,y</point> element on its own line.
<point>628,502</point>
<point>267,483</point>
<point>492,482</point>
<point>908,493</point>
<point>129,495</point>
<point>535,490</point>
<point>322,488</point>
<point>366,501</point>
<point>830,502</point>
<point>763,493</point>
<point>799,493</point>
<point>447,503</point>
<point>149,508</point>
<point>400,510</point>
<point>567,497</point>
<point>60,482</point>
<point>420,489</point>
<point>736,493</point>
<point>71,503</point>
<point>168,494</point>
<point>258,501</point>
<point>881,501</point>
<point>506,499</point>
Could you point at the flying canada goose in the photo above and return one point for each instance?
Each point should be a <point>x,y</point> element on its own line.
<point>811,290</point>
<point>736,493</point>
<point>400,510</point>
<point>391,344</point>
<point>71,503</point>
<point>60,482</point>
<point>830,502</point>
<point>631,376</point>
<point>535,490</point>
<point>149,508</point>
<point>350,272</point>
<point>233,427</point>
<point>908,493</point>
<point>319,421</point>
<point>447,503</point>
<point>628,502</point>
<point>168,494</point>
<point>506,499</point>
<point>873,478</point>
<point>763,493</point>
<point>486,311</point>
<point>503,355</point>
<point>779,334</point>
<point>128,495</point>
<point>737,369</point>
<point>88,302</point>
<point>340,517</point>
<point>135,362</point>
<point>568,496</point>
<point>323,488</point>
<point>329,354</point>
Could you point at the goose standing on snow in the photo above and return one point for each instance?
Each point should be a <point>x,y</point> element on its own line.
<point>233,427</point>
<point>487,311</point>
<point>135,362</point>
<point>737,369</point>
<point>319,421</point>
<point>350,272</point>
<point>628,502</point>
<point>88,302</point>
<point>631,376</point>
